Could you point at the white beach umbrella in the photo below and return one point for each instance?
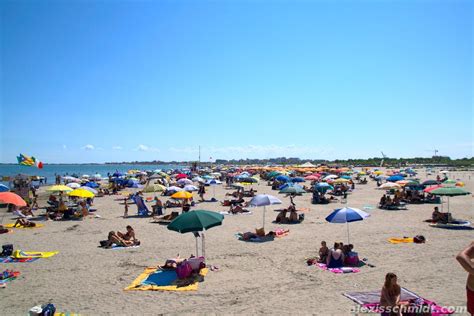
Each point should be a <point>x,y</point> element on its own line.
<point>73,185</point>
<point>190,188</point>
<point>264,200</point>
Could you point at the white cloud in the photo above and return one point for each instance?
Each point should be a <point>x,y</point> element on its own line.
<point>88,147</point>
<point>142,147</point>
<point>117,147</point>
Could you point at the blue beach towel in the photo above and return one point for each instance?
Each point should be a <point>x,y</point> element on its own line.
<point>161,278</point>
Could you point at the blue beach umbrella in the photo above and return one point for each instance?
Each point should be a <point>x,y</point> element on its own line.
<point>395,178</point>
<point>346,215</point>
<point>295,180</point>
<point>323,187</point>
<point>283,178</point>
<point>4,188</point>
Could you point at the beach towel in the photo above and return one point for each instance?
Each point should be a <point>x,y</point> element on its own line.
<point>153,279</point>
<point>10,276</point>
<point>371,299</point>
<point>117,247</point>
<point>323,266</point>
<point>19,254</point>
<point>401,240</point>
<point>239,213</point>
<point>15,260</point>
<point>256,239</point>
<point>11,225</point>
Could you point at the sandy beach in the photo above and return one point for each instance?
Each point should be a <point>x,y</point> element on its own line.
<point>253,277</point>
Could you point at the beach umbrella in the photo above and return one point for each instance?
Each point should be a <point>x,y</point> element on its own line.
<point>346,215</point>
<point>4,188</point>
<point>91,190</point>
<point>428,190</point>
<point>248,180</point>
<point>182,195</point>
<point>190,188</point>
<point>71,179</point>
<point>59,188</point>
<point>184,181</point>
<point>154,187</point>
<point>11,198</point>
<point>390,186</point>
<point>430,182</point>
<point>346,177</point>
<point>449,191</point>
<point>311,177</point>
<point>181,176</point>
<point>82,193</point>
<point>341,180</point>
<point>175,189</point>
<point>297,180</point>
<point>264,200</point>
<point>323,187</point>
<point>91,185</point>
<point>73,185</point>
<point>395,178</point>
<point>293,189</point>
<point>282,178</point>
<point>449,181</point>
<point>331,176</point>
<point>198,179</point>
<point>194,221</point>
<point>273,174</point>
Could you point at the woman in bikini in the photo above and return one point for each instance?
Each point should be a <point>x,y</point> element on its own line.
<point>336,257</point>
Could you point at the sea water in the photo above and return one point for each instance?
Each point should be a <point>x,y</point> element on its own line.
<point>50,171</point>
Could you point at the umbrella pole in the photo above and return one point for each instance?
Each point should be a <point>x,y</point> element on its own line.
<point>348,240</point>
<point>214,191</point>
<point>264,209</point>
<point>197,253</point>
<point>203,252</point>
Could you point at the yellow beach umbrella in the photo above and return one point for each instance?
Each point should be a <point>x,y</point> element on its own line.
<point>182,195</point>
<point>81,193</point>
<point>59,188</point>
<point>341,180</point>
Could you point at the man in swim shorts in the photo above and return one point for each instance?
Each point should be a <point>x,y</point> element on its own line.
<point>466,258</point>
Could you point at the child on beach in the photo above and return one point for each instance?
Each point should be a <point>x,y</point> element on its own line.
<point>323,252</point>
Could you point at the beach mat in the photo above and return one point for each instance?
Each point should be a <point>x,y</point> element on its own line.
<point>11,225</point>
<point>122,247</point>
<point>371,299</point>
<point>342,270</point>
<point>11,278</point>
<point>153,279</point>
<point>33,254</point>
<point>401,240</point>
<point>14,260</point>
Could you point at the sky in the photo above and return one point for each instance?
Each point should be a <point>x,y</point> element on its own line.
<point>101,81</point>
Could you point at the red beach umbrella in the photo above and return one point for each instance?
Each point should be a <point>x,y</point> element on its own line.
<point>11,198</point>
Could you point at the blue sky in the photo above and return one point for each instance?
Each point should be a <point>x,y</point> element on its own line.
<point>96,81</point>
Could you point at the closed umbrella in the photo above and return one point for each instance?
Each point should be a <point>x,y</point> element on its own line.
<point>264,200</point>
<point>11,198</point>
<point>194,221</point>
<point>347,215</point>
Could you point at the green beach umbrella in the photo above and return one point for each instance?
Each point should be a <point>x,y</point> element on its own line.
<point>292,190</point>
<point>449,191</point>
<point>194,221</point>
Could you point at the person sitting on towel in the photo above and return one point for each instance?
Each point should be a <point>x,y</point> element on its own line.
<point>281,217</point>
<point>113,238</point>
<point>23,222</point>
<point>336,257</point>
<point>236,209</point>
<point>293,215</point>
<point>390,295</point>
<point>441,217</point>
<point>323,252</point>
<point>129,235</point>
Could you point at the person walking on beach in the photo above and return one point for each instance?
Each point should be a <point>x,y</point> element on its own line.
<point>201,192</point>
<point>465,258</point>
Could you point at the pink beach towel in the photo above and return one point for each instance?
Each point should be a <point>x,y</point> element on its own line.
<point>323,266</point>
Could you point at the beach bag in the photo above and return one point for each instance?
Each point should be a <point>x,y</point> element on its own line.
<point>48,310</point>
<point>184,270</point>
<point>103,243</point>
<point>7,250</point>
<point>419,239</point>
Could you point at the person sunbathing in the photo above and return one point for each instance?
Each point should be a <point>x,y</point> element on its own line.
<point>172,263</point>
<point>250,235</point>
<point>323,252</point>
<point>236,209</point>
<point>23,222</point>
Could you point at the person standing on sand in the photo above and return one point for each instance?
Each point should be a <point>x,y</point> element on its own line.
<point>465,258</point>
<point>125,213</point>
